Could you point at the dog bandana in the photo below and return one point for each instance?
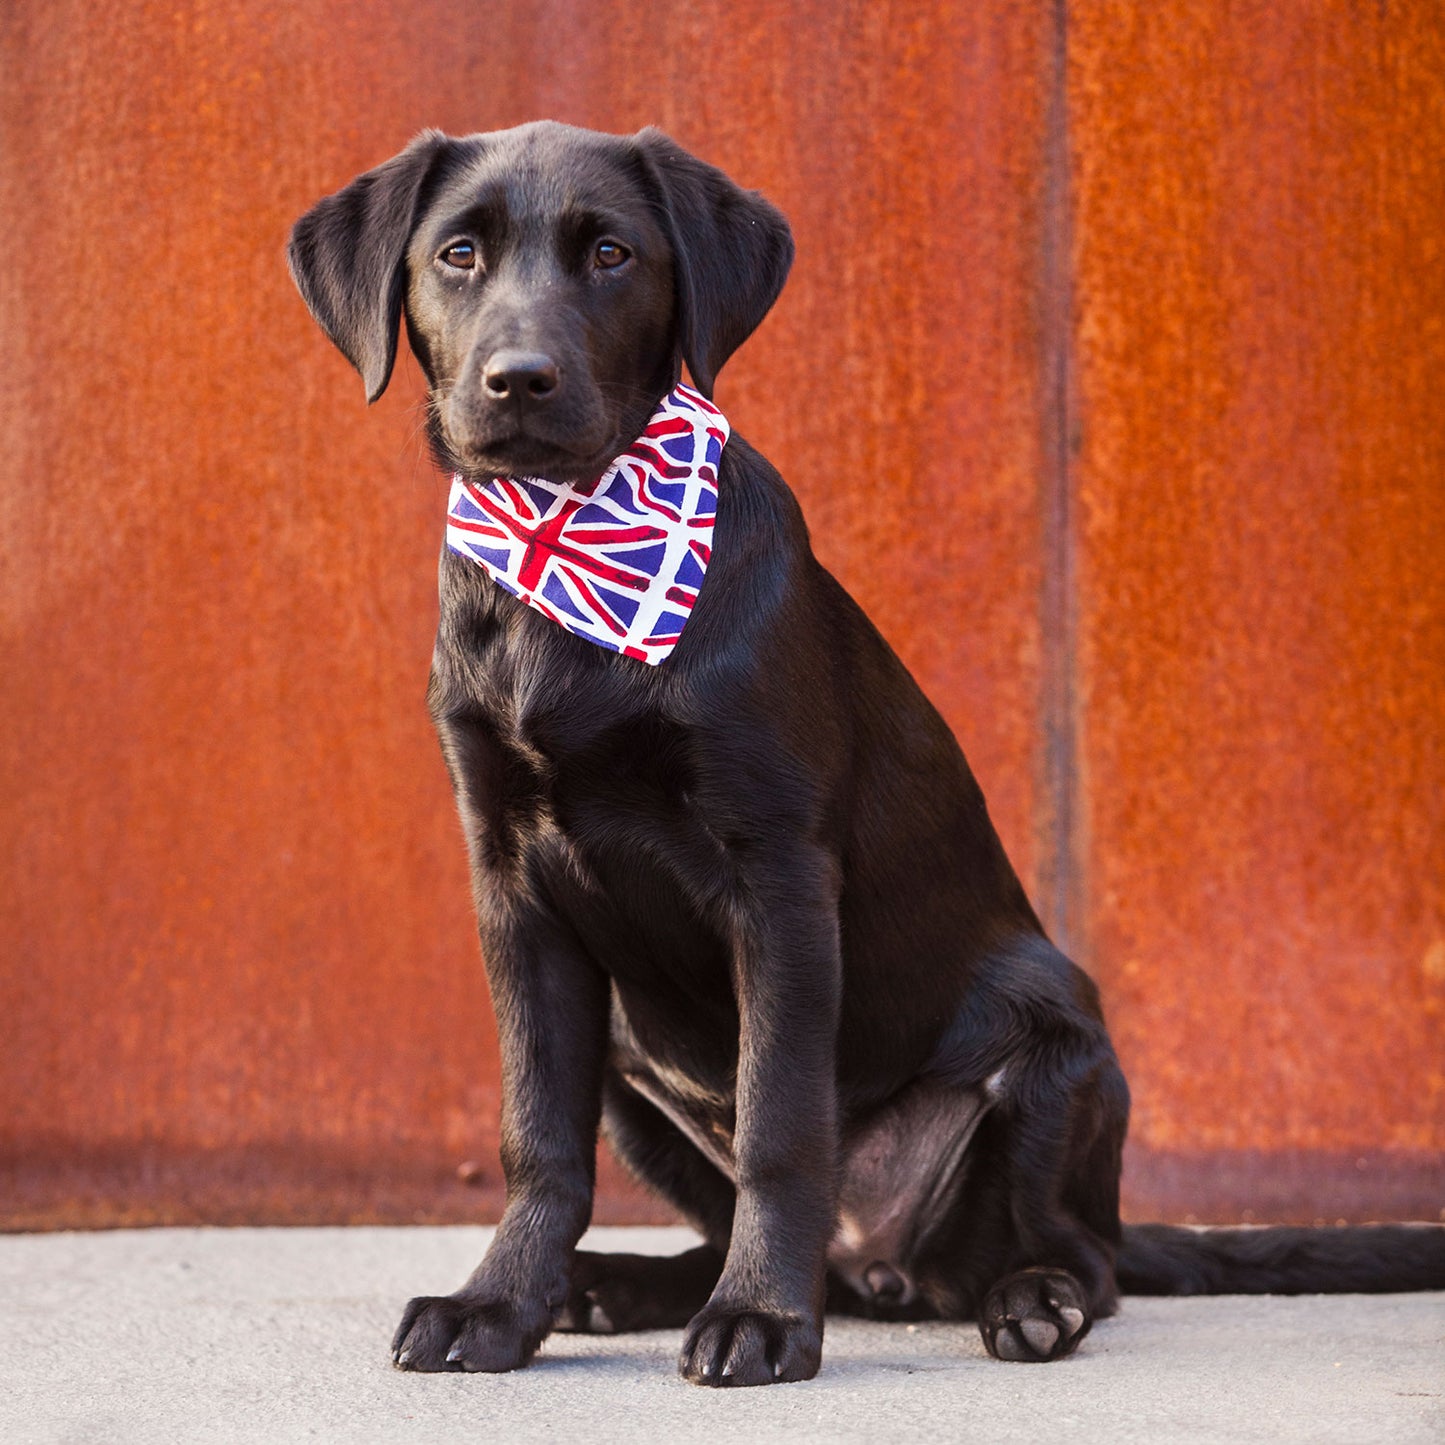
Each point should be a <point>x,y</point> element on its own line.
<point>618,560</point>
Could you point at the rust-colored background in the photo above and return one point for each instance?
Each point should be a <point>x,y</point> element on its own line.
<point>1121,330</point>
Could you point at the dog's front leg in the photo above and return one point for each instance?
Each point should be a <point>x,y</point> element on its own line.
<point>551,1007</point>
<point>764,1322</point>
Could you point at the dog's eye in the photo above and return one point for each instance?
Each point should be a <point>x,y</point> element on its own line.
<point>460,254</point>
<point>609,255</point>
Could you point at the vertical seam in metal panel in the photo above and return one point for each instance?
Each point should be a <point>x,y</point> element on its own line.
<point>1060,884</point>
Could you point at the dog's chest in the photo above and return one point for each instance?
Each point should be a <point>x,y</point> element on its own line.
<point>588,788</point>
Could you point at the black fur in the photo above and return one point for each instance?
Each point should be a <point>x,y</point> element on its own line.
<point>745,909</point>
<point>1369,1259</point>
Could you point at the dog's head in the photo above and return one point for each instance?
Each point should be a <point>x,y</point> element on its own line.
<point>552,280</point>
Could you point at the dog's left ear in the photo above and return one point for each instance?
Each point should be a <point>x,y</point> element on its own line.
<point>731,253</point>
<point>347,258</point>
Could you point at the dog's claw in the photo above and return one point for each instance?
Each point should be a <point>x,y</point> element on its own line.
<point>457,1333</point>
<point>731,1346</point>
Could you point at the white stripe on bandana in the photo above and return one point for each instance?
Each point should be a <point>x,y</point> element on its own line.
<point>618,560</point>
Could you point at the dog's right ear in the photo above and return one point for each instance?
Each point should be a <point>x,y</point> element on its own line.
<point>347,258</point>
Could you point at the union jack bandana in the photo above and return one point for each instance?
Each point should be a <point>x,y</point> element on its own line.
<point>617,560</point>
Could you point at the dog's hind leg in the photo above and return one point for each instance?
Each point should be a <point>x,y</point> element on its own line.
<point>1055,1270</point>
<point>612,1293</point>
<point>1029,1250</point>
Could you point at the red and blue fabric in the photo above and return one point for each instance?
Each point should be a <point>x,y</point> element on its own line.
<point>618,560</point>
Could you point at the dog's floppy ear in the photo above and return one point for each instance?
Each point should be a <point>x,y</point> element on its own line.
<point>731,253</point>
<point>346,257</point>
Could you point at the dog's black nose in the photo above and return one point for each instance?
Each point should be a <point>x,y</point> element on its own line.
<point>529,375</point>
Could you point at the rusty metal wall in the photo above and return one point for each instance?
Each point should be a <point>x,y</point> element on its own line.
<point>1187,627</point>
<point>1260,489</point>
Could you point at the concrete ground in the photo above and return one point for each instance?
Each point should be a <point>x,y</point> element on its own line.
<point>281,1335</point>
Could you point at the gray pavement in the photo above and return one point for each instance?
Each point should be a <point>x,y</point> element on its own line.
<point>281,1335</point>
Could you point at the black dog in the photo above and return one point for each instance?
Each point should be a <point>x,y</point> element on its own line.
<point>747,906</point>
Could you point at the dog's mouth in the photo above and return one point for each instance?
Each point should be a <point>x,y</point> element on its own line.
<point>563,444</point>
<point>570,440</point>
<point>524,453</point>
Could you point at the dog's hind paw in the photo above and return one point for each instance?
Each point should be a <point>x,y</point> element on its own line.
<point>613,1293</point>
<point>449,1333</point>
<point>1034,1316</point>
<point>730,1346</point>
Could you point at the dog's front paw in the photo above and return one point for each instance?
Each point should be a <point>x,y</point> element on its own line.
<point>453,1333</point>
<point>1034,1316</point>
<point>728,1345</point>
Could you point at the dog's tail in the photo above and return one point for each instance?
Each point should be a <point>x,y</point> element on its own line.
<point>1364,1259</point>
